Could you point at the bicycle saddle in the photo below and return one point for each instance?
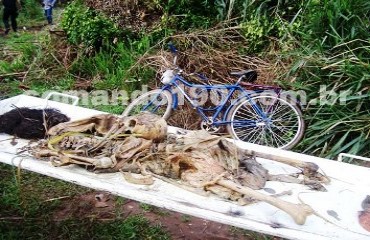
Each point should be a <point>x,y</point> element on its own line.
<point>249,75</point>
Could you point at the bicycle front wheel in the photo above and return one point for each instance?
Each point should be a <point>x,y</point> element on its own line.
<point>280,125</point>
<point>156,101</point>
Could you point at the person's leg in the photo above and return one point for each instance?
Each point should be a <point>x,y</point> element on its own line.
<point>49,15</point>
<point>6,16</point>
<point>13,18</point>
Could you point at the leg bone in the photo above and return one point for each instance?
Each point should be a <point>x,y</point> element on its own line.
<point>298,212</point>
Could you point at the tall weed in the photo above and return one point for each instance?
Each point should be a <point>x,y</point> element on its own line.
<point>334,51</point>
<point>109,67</point>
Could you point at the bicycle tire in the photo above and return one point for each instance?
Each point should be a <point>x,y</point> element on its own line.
<point>294,135</point>
<point>143,99</point>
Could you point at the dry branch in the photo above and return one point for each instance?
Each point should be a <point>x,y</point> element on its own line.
<point>212,53</point>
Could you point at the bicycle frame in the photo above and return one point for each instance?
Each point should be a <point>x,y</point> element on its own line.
<point>250,112</point>
<point>217,109</point>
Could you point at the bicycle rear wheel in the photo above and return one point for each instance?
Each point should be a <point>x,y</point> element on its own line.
<point>282,128</point>
<point>156,101</point>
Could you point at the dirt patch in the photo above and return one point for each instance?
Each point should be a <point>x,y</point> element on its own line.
<point>178,225</point>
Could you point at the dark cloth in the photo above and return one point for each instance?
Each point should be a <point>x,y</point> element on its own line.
<point>12,14</point>
<point>10,4</point>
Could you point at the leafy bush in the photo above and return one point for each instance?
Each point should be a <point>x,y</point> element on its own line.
<point>267,20</point>
<point>32,9</point>
<point>259,30</point>
<point>187,14</point>
<point>86,26</point>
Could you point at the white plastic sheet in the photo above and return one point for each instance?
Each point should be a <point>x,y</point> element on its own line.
<point>338,208</point>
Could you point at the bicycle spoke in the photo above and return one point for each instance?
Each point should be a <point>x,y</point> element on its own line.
<point>248,133</point>
<point>282,116</point>
<point>156,101</point>
<point>247,130</point>
<point>279,110</point>
<point>277,138</point>
<point>286,126</point>
<point>247,114</point>
<point>258,136</point>
<point>283,127</point>
<point>254,134</point>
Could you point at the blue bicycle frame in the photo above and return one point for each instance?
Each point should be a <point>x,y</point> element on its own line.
<point>217,109</point>
<point>249,113</point>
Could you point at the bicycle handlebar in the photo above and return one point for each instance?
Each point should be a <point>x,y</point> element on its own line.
<point>172,48</point>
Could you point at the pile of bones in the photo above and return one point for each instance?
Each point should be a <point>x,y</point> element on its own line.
<point>195,160</point>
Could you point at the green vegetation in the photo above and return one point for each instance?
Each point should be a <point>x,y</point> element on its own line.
<point>334,51</point>
<point>31,13</point>
<point>86,26</point>
<point>131,228</point>
<point>30,201</point>
<point>185,218</point>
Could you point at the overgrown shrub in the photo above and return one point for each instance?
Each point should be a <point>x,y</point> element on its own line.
<point>338,113</point>
<point>267,21</point>
<point>334,56</point>
<point>187,14</point>
<point>87,27</point>
<point>329,23</point>
<point>32,9</point>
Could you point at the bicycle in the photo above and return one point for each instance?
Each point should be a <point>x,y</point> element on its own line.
<point>254,117</point>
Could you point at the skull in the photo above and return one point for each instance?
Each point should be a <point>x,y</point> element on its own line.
<point>146,125</point>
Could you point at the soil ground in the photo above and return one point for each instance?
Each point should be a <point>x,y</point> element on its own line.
<point>179,226</point>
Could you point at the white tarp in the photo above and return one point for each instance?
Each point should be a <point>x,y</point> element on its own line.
<point>338,207</point>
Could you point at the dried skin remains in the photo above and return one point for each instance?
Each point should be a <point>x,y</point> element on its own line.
<point>140,144</point>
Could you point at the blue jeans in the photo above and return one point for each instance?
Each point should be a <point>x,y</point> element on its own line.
<point>49,15</point>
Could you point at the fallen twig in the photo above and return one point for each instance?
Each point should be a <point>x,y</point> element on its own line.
<point>57,198</point>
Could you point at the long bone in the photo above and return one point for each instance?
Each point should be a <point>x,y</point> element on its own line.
<point>309,169</point>
<point>61,159</point>
<point>299,212</point>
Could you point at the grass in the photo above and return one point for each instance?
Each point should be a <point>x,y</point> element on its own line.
<point>27,213</point>
<point>250,235</point>
<point>135,227</point>
<point>18,52</point>
<point>338,109</point>
<point>185,218</point>
<point>26,193</point>
<point>24,65</point>
<point>146,207</point>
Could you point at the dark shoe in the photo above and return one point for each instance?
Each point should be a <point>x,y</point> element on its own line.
<point>7,31</point>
